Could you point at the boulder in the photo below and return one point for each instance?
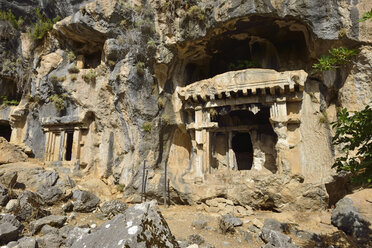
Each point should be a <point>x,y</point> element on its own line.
<point>12,205</point>
<point>228,222</point>
<point>30,206</point>
<point>195,239</point>
<point>113,207</point>
<point>49,194</point>
<point>353,214</point>
<point>142,225</point>
<point>26,242</point>
<point>199,224</point>
<point>51,240</point>
<point>10,153</point>
<point>3,195</point>
<point>73,234</point>
<point>9,179</point>
<point>10,228</point>
<point>68,207</point>
<point>84,201</point>
<point>51,220</point>
<point>276,239</point>
<point>275,225</point>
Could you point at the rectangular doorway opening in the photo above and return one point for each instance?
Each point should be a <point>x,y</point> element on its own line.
<point>5,130</point>
<point>69,141</point>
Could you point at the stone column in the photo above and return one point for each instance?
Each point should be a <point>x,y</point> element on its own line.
<point>279,118</point>
<point>230,152</point>
<point>200,141</point>
<point>75,144</point>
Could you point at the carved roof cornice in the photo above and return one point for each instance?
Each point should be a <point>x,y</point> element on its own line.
<point>247,82</point>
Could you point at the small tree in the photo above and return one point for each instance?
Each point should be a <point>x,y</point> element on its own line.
<point>354,134</point>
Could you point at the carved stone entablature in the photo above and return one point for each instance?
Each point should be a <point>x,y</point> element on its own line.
<point>247,82</point>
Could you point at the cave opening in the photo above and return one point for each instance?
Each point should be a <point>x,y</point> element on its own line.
<point>5,130</point>
<point>243,149</point>
<point>69,142</point>
<point>257,42</point>
<point>92,60</point>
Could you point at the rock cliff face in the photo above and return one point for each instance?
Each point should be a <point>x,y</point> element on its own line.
<point>100,93</point>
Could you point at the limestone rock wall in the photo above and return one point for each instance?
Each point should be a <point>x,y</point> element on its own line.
<point>131,58</point>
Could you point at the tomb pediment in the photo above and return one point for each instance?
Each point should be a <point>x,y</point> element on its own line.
<point>246,82</point>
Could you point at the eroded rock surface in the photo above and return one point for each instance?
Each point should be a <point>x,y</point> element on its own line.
<point>141,226</point>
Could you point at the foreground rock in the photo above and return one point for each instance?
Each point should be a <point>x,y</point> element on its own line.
<point>84,201</point>
<point>353,215</point>
<point>113,207</point>
<point>10,228</point>
<point>51,220</point>
<point>142,225</point>
<point>10,153</point>
<point>274,238</point>
<point>3,195</point>
<point>30,206</point>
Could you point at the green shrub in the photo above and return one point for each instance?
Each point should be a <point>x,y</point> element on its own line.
<point>90,77</point>
<point>145,25</point>
<point>165,119</point>
<point>4,101</point>
<point>71,56</point>
<point>151,43</point>
<point>73,69</point>
<point>323,117</point>
<point>140,68</point>
<point>124,24</point>
<point>120,187</point>
<point>354,135</point>
<point>366,16</point>
<point>338,57</point>
<point>54,79</point>
<point>146,127</point>
<point>111,63</point>
<point>59,101</point>
<point>160,103</point>
<point>42,26</point>
<point>213,113</point>
<point>195,13</point>
<point>73,78</point>
<point>9,16</point>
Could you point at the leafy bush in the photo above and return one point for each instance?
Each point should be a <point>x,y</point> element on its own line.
<point>71,56</point>
<point>338,57</point>
<point>42,26</point>
<point>9,16</point>
<point>73,69</point>
<point>354,134</point>
<point>54,79</point>
<point>59,101</point>
<point>140,68</point>
<point>323,117</point>
<point>244,64</point>
<point>90,77</point>
<point>366,16</point>
<point>73,78</point>
<point>195,13</point>
<point>160,103</point>
<point>147,126</point>
<point>4,101</point>
<point>111,63</point>
<point>213,113</point>
<point>120,187</point>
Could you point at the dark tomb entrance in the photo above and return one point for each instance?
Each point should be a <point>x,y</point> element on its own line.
<point>243,149</point>
<point>5,130</point>
<point>69,141</point>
